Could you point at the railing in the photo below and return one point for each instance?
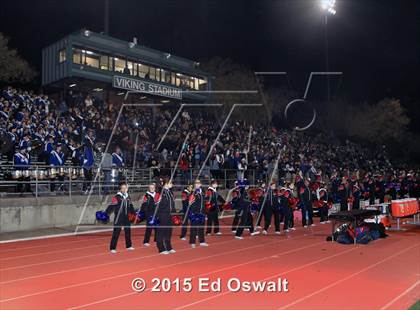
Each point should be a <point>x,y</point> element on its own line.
<point>43,180</point>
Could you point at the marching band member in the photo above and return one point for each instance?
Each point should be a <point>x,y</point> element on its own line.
<point>21,162</point>
<point>284,200</point>
<point>118,162</point>
<point>212,199</point>
<point>48,148</point>
<point>380,187</point>
<point>272,208</point>
<point>245,216</point>
<point>56,160</point>
<point>262,190</point>
<point>165,206</point>
<point>322,201</point>
<point>150,199</point>
<point>185,199</point>
<point>88,160</point>
<point>121,206</point>
<point>356,196</point>
<point>196,206</point>
<point>305,199</point>
<point>234,202</point>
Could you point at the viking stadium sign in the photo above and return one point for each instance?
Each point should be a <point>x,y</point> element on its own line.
<point>146,87</point>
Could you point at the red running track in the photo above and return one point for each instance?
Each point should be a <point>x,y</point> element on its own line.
<point>78,272</point>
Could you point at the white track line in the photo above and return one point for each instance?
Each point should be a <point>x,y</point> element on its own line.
<point>400,295</point>
<point>202,274</point>
<point>145,270</point>
<point>105,264</point>
<point>84,267</point>
<point>87,267</point>
<point>49,245</point>
<point>76,241</point>
<point>283,273</point>
<point>52,252</point>
<point>70,235</point>
<point>58,235</point>
<point>348,277</point>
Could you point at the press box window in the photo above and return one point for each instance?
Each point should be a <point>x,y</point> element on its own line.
<point>62,56</point>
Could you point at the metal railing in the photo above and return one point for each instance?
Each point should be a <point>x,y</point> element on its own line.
<point>44,180</point>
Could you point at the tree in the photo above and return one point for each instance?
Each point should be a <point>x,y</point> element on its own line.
<point>229,76</point>
<point>384,122</point>
<point>13,68</point>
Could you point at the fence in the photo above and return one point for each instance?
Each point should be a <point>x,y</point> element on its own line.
<point>43,180</point>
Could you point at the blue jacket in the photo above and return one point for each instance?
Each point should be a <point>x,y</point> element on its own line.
<point>21,161</point>
<point>56,159</point>
<point>117,160</point>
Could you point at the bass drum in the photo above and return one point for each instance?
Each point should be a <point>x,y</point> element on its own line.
<point>16,174</point>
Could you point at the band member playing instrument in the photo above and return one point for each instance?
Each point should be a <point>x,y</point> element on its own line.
<point>21,162</point>
<point>196,206</point>
<point>185,200</point>
<point>165,206</point>
<point>211,200</point>
<point>150,199</point>
<point>56,160</point>
<point>118,163</point>
<point>122,206</point>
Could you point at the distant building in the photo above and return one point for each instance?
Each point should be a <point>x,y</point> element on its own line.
<point>92,62</point>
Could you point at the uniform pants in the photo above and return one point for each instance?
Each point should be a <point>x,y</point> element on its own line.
<point>21,187</point>
<point>53,182</point>
<point>148,232</point>
<point>288,218</point>
<point>88,178</point>
<point>269,212</point>
<point>213,222</point>
<point>163,237</point>
<point>323,213</point>
<point>246,221</point>
<point>197,230</point>
<point>184,225</point>
<point>116,234</point>
<point>307,210</point>
<point>236,219</point>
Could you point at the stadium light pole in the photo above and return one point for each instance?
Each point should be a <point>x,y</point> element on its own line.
<point>328,6</point>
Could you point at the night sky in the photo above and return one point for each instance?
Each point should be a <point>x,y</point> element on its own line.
<point>376,43</point>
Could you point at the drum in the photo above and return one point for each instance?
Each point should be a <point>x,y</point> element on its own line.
<point>26,173</point>
<point>72,173</point>
<point>16,174</point>
<point>41,174</point>
<point>81,173</point>
<point>61,171</point>
<point>34,173</point>
<point>52,173</point>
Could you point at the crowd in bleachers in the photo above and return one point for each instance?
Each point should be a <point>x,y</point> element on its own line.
<point>75,131</point>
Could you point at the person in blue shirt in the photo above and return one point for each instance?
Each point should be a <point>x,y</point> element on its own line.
<point>56,160</point>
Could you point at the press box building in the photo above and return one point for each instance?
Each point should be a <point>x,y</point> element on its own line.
<point>94,62</point>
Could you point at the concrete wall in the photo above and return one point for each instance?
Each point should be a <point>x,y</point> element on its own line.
<point>20,214</point>
<point>23,214</point>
